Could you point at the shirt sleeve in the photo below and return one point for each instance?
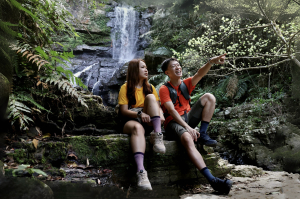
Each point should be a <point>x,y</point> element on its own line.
<point>122,95</point>
<point>164,94</point>
<point>188,83</point>
<point>155,93</point>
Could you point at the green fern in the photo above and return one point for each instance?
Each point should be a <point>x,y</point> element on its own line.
<point>242,89</point>
<point>22,96</point>
<point>65,85</point>
<point>16,111</point>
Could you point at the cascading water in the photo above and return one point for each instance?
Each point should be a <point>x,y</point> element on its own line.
<point>125,34</point>
<point>124,42</point>
<point>98,67</point>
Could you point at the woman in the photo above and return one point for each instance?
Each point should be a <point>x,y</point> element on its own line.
<point>141,112</point>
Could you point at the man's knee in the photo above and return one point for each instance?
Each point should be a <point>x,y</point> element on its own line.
<point>186,138</point>
<point>208,97</point>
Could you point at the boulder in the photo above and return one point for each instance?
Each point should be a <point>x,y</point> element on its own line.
<point>25,188</point>
<point>4,95</point>
<point>246,171</point>
<point>2,173</point>
<point>154,60</point>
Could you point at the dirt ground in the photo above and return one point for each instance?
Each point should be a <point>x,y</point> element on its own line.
<point>273,185</point>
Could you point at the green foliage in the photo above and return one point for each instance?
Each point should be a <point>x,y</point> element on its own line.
<point>29,27</point>
<point>221,91</point>
<point>99,21</point>
<point>64,85</point>
<point>16,111</point>
<point>173,28</point>
<point>158,80</point>
<point>108,9</point>
<point>94,39</point>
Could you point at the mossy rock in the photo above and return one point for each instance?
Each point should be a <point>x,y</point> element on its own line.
<point>4,95</point>
<point>114,152</point>
<point>25,188</point>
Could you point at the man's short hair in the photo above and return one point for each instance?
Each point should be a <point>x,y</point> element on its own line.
<point>165,63</point>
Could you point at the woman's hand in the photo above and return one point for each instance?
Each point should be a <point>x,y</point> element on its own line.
<point>145,117</point>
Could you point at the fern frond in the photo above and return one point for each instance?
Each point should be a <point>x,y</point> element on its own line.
<point>27,98</point>
<point>15,110</point>
<point>64,85</point>
<point>242,89</point>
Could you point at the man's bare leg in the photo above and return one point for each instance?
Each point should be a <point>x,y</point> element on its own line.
<point>208,101</point>
<point>223,186</point>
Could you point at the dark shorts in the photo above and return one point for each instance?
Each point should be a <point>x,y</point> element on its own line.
<point>124,120</point>
<point>192,118</point>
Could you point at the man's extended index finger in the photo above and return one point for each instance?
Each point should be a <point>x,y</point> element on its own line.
<point>223,55</point>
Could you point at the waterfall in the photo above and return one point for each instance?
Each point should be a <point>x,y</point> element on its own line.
<point>125,34</point>
<point>86,69</point>
<point>99,67</point>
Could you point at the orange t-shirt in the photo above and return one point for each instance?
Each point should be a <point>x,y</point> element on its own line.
<point>164,95</point>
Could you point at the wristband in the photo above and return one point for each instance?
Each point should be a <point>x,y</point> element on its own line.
<point>210,60</point>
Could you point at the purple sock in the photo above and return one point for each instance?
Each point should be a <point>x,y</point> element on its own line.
<point>156,124</point>
<point>139,160</point>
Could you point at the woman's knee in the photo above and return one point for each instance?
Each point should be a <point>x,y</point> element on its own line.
<point>151,97</point>
<point>138,129</point>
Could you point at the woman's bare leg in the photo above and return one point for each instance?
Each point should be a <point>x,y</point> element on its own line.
<point>137,138</point>
<point>151,106</point>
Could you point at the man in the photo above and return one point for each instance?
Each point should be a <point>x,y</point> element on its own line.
<point>181,119</point>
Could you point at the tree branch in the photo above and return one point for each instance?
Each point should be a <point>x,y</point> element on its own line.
<point>250,68</point>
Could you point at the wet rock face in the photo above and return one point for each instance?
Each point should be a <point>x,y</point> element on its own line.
<point>251,134</point>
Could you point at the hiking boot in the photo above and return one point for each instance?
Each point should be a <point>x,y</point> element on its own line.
<point>143,182</point>
<point>222,186</point>
<point>204,139</point>
<point>157,140</point>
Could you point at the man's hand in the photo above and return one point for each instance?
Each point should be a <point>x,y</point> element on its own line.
<point>195,134</point>
<point>162,119</point>
<point>145,117</point>
<point>205,68</point>
<point>218,59</point>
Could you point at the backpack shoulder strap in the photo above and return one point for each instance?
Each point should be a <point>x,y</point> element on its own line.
<point>173,92</point>
<point>151,88</point>
<point>184,90</point>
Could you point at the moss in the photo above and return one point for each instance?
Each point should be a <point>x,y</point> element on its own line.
<point>108,9</point>
<point>9,172</point>
<point>55,152</point>
<point>30,171</point>
<point>94,39</point>
<point>55,172</point>
<point>62,173</point>
<point>99,150</point>
<point>100,21</point>
<point>43,161</point>
<point>20,156</point>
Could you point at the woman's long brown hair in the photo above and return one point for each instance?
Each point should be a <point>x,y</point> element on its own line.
<point>133,80</point>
